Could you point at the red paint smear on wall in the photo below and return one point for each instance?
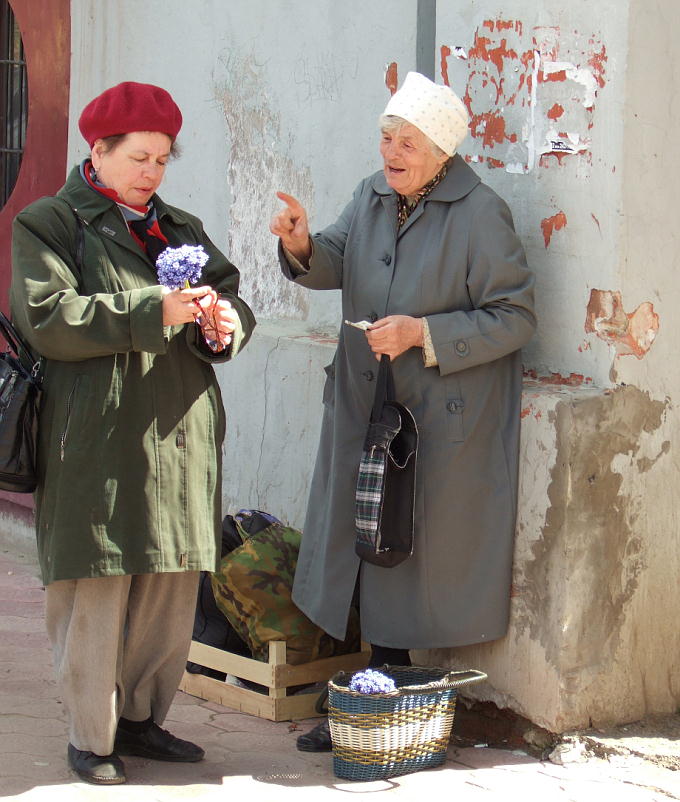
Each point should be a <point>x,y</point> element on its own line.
<point>596,61</point>
<point>445,53</point>
<point>391,78</point>
<point>495,163</point>
<point>490,126</point>
<point>572,380</point>
<point>556,112</point>
<point>555,223</point>
<point>629,333</point>
<point>503,25</point>
<point>555,77</point>
<point>544,161</point>
<point>495,55</point>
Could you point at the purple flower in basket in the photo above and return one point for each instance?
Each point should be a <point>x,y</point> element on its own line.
<point>370,681</point>
<point>181,267</point>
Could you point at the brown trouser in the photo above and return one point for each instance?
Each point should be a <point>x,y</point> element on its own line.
<point>120,645</point>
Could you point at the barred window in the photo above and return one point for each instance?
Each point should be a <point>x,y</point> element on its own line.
<point>13,101</point>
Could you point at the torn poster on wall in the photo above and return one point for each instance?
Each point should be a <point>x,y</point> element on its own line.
<point>531,94</point>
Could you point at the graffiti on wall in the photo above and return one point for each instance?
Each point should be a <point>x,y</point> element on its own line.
<point>255,171</point>
<point>530,93</point>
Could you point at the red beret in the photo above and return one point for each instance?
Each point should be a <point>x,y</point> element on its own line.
<point>130,107</point>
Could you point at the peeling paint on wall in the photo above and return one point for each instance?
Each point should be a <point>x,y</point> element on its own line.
<point>392,77</point>
<point>629,333</point>
<point>588,539</point>
<point>519,83</point>
<point>531,377</point>
<point>555,223</point>
<point>257,167</point>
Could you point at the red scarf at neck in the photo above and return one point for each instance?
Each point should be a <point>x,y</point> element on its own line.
<point>154,229</point>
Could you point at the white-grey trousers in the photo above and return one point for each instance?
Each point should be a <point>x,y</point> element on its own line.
<point>120,645</point>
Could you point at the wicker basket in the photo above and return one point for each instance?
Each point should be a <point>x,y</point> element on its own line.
<point>381,735</point>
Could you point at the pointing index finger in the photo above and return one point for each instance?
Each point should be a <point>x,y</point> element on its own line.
<point>290,201</point>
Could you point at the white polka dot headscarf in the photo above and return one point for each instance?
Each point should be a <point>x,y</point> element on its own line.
<point>436,110</point>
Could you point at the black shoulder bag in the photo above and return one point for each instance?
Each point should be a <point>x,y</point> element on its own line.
<point>20,389</point>
<point>386,486</point>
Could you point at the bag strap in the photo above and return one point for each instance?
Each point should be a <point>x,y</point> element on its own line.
<point>80,238</point>
<point>16,342</point>
<point>20,347</point>
<point>384,389</point>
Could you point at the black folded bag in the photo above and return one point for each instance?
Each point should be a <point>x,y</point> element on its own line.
<point>20,390</point>
<point>386,485</point>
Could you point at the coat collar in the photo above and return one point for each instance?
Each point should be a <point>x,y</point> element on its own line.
<point>458,182</point>
<point>103,214</point>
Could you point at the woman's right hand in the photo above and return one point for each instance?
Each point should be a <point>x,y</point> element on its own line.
<point>182,306</point>
<point>290,224</point>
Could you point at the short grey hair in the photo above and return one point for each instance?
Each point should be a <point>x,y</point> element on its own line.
<point>390,124</point>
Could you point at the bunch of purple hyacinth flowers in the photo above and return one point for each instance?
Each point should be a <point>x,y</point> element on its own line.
<point>178,268</point>
<point>181,267</point>
<point>371,681</point>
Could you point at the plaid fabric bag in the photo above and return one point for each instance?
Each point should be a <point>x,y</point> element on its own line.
<point>386,485</point>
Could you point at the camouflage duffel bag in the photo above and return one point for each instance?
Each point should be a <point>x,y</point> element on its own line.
<point>253,588</point>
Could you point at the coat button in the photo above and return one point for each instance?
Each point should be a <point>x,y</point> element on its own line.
<point>369,375</point>
<point>462,348</point>
<point>455,406</point>
<point>180,440</point>
<point>372,317</point>
<point>387,259</point>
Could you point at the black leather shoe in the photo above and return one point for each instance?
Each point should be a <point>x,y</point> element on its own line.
<point>317,739</point>
<point>96,769</point>
<point>157,744</point>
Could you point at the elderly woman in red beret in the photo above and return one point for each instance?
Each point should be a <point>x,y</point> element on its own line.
<point>131,426</point>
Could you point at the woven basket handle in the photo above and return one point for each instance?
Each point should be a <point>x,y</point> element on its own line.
<point>456,679</point>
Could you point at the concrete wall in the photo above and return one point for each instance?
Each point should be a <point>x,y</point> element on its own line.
<point>591,639</point>
<point>572,124</point>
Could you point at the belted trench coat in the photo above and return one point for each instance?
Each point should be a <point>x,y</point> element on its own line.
<point>458,262</point>
<point>131,420</point>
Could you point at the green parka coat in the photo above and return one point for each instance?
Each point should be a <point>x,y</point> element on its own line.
<point>131,421</point>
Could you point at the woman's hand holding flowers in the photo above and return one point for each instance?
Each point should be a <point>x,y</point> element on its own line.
<point>290,225</point>
<point>178,269</point>
<point>182,305</point>
<point>394,334</point>
<point>225,318</point>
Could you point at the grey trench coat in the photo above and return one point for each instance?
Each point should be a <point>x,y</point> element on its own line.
<point>457,261</point>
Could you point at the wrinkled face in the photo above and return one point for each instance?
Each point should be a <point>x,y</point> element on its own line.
<point>135,166</point>
<point>408,160</point>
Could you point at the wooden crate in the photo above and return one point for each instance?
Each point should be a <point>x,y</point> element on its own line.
<point>276,675</point>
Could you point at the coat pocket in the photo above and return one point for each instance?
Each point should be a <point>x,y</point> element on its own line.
<point>69,431</point>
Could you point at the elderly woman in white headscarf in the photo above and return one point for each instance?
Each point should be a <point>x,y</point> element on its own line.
<point>428,255</point>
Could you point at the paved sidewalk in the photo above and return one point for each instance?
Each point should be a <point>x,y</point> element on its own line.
<point>249,758</point>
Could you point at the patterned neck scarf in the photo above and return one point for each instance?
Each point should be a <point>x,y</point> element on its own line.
<point>407,203</point>
<point>142,221</point>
